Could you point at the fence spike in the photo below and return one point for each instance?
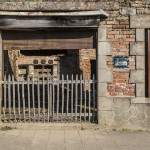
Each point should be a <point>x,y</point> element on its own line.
<point>14,96</point>
<point>28,87</point>
<point>48,97</point>
<point>62,94</point>
<point>9,96</point>
<point>76,96</point>
<point>33,98</point>
<point>72,95</point>
<point>43,89</point>
<point>38,93</point>
<point>4,109</point>
<point>80,96</point>
<point>67,95</point>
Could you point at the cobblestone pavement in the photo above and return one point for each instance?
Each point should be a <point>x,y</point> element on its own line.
<point>72,138</point>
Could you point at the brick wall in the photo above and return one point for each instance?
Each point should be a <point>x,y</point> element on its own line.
<point>120,35</point>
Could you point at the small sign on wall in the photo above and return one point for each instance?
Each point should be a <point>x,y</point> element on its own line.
<point>121,62</point>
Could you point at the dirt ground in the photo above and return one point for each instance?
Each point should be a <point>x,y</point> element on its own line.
<point>72,137</point>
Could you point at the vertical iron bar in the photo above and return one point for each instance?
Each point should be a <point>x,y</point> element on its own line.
<point>18,90</point>
<point>38,89</point>
<point>62,94</point>
<point>57,99</point>
<point>43,83</point>
<point>9,96</point>
<point>67,94</point>
<point>23,100</point>
<point>89,91</point>
<point>84,100</point>
<point>76,96</point>
<point>94,102</point>
<point>14,97</point>
<point>80,96</point>
<point>72,96</point>
<point>48,98</point>
<point>4,96</point>
<point>28,87</point>
<point>53,98</point>
<point>33,100</point>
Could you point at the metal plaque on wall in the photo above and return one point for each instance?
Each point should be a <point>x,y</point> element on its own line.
<point>120,62</point>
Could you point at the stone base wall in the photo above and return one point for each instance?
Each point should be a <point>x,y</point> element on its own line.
<point>118,113</point>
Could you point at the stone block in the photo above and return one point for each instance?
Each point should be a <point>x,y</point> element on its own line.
<point>140,100</point>
<point>140,35</point>
<point>102,36</point>
<point>140,62</point>
<point>121,110</point>
<point>106,118</point>
<point>104,76</point>
<point>128,11</point>
<point>102,89</point>
<point>140,21</point>
<point>104,48</point>
<point>137,48</point>
<point>137,76</point>
<point>140,89</point>
<point>105,103</point>
<point>102,62</point>
<point>132,62</point>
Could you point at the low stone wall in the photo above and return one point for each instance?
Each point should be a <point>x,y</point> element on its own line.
<point>121,113</point>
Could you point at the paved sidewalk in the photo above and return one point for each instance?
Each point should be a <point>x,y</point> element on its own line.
<point>72,139</point>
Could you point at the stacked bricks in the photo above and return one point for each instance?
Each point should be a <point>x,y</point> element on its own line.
<point>85,58</point>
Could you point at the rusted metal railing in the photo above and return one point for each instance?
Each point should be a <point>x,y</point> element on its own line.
<point>47,100</point>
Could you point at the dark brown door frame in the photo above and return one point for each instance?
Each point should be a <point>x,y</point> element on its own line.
<point>147,64</point>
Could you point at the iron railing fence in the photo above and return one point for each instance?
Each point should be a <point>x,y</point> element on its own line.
<point>46,100</point>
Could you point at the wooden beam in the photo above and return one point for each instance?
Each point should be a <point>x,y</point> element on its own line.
<point>37,40</point>
<point>15,22</point>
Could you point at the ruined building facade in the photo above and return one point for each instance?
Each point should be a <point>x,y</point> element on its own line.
<point>113,44</point>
